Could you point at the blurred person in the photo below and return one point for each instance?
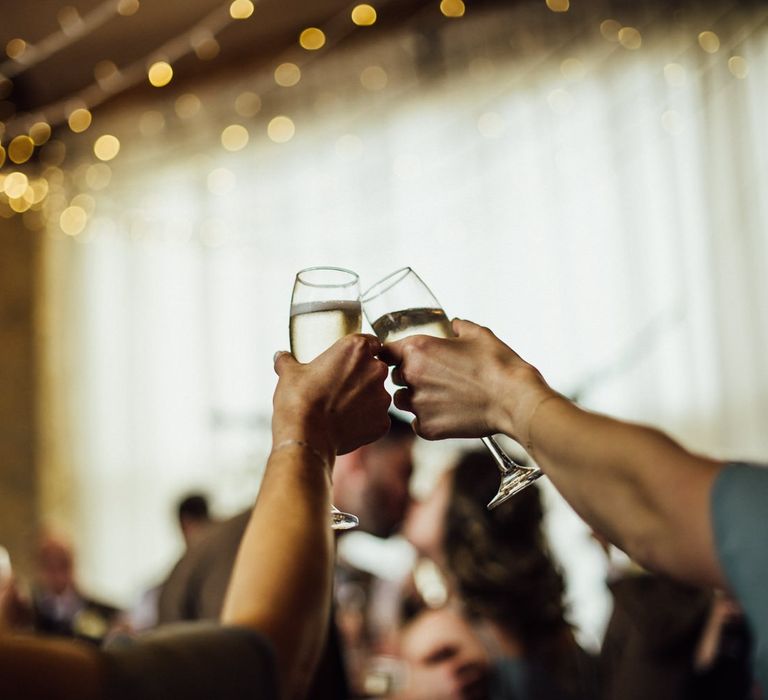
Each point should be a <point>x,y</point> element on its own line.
<point>697,519</point>
<point>58,605</point>
<point>194,520</point>
<point>444,658</point>
<point>499,568</point>
<point>371,482</point>
<point>193,517</point>
<point>279,597</point>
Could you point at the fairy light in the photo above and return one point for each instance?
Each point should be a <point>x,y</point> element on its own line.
<point>559,5</point>
<point>126,8</point>
<point>15,184</point>
<point>15,48</point>
<point>40,132</point>
<point>374,78</point>
<point>106,147</point>
<point>738,67</point>
<point>312,39</point>
<point>630,38</point>
<point>20,149</point>
<point>281,129</point>
<point>72,220</point>
<point>248,104</point>
<point>287,74</point>
<point>363,15</point>
<point>160,74</point>
<point>79,119</point>
<point>241,9</point>
<point>234,137</point>
<point>709,42</point>
<point>453,8</point>
<point>187,105</point>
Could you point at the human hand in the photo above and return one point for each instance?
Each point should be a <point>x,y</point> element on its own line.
<point>337,402</point>
<point>471,385</point>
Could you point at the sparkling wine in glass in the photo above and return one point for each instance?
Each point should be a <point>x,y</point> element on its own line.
<point>325,306</point>
<point>401,305</point>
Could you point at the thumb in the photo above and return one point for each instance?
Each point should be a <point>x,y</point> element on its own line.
<point>283,360</point>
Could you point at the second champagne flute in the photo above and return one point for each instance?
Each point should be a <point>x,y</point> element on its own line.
<point>401,305</point>
<point>325,306</point>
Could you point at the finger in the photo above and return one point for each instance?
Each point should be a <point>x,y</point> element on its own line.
<point>392,353</point>
<point>397,377</point>
<point>403,400</point>
<point>374,344</point>
<point>283,360</point>
<point>463,328</point>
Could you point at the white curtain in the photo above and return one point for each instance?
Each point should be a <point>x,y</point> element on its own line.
<point>599,207</point>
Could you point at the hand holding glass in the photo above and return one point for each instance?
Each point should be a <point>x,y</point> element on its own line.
<point>325,306</point>
<point>401,305</point>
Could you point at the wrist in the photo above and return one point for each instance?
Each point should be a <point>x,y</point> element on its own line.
<point>304,424</point>
<point>522,391</point>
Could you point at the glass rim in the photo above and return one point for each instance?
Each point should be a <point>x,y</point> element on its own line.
<point>355,277</point>
<point>387,282</point>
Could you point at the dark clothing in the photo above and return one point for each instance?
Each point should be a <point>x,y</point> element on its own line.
<point>193,662</point>
<point>196,587</point>
<point>740,522</point>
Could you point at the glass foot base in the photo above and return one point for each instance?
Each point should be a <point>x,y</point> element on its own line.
<point>513,483</point>
<point>343,521</point>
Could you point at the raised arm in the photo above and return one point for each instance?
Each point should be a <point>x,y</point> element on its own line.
<point>281,583</point>
<point>632,483</point>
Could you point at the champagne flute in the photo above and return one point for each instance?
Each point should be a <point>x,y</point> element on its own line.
<point>401,305</point>
<point>325,306</point>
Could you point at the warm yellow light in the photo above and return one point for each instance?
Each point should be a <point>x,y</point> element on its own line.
<point>37,191</point>
<point>312,39</point>
<point>558,5</point>
<point>234,137</point>
<point>187,105</point>
<point>247,104</point>
<point>15,48</point>
<point>40,132</point>
<point>98,175</point>
<point>160,73</point>
<point>20,149</point>
<point>709,42</point>
<point>85,202</point>
<point>287,74</point>
<point>738,66</point>
<point>610,29</point>
<point>452,8</point>
<point>79,120</point>
<point>674,74</point>
<point>106,147</point>
<point>373,78</point>
<point>281,129</point>
<point>54,175</point>
<point>364,15</point>
<point>73,220</point>
<point>19,205</point>
<point>241,9</point>
<point>572,69</point>
<point>630,38</point>
<point>127,7</point>
<point>15,184</point>
<point>2,156</point>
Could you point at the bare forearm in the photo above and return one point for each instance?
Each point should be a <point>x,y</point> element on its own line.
<point>634,484</point>
<point>282,578</point>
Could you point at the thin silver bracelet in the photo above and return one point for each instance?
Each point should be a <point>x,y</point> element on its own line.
<point>301,443</point>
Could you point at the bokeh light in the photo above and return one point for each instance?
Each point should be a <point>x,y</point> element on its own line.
<point>106,147</point>
<point>241,9</point>
<point>187,105</point>
<point>281,129</point>
<point>558,5</point>
<point>363,15</point>
<point>738,67</point>
<point>312,39</point>
<point>630,38</point>
<point>247,104</point>
<point>373,78</point>
<point>40,132</point>
<point>287,74</point>
<point>15,184</point>
<point>79,120</point>
<point>73,220</point>
<point>160,73</point>
<point>127,7</point>
<point>20,149</point>
<point>234,137</point>
<point>15,48</point>
<point>709,42</point>
<point>452,8</point>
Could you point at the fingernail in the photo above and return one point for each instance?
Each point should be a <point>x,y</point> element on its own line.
<point>276,355</point>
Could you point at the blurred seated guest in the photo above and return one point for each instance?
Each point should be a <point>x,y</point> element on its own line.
<point>371,482</point>
<point>444,658</point>
<point>194,521</point>
<point>193,517</point>
<point>279,598</point>
<point>500,571</point>
<point>59,607</point>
